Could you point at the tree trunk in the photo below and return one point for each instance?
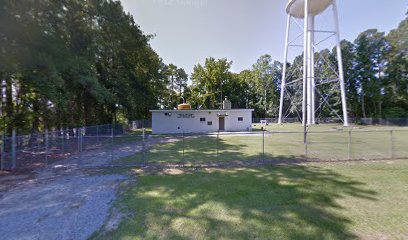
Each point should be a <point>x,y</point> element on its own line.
<point>36,122</point>
<point>363,106</point>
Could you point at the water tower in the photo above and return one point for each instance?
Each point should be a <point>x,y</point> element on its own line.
<point>307,11</point>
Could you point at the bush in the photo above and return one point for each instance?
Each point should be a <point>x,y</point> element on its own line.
<point>395,112</point>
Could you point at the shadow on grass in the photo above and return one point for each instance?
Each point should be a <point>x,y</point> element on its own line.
<point>209,149</point>
<point>240,147</point>
<point>279,202</point>
<point>200,149</point>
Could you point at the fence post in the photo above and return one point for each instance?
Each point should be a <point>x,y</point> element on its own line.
<point>112,141</point>
<point>78,133</point>
<point>46,146</point>
<point>143,148</point>
<point>183,147</point>
<point>63,140</point>
<point>306,144</point>
<point>78,139</point>
<point>263,144</point>
<point>218,137</point>
<point>2,151</point>
<point>13,150</point>
<point>349,145</point>
<point>82,138</point>
<point>97,134</point>
<point>391,145</point>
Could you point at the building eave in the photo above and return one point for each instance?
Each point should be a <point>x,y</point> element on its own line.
<point>206,110</point>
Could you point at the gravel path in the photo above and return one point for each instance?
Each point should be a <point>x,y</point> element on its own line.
<point>67,200</point>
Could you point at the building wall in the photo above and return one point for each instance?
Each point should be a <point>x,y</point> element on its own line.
<point>189,121</point>
<point>233,125</point>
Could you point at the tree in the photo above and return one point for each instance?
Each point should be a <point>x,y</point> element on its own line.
<point>267,77</point>
<point>71,62</point>
<point>351,82</point>
<point>396,73</point>
<point>370,47</point>
<point>208,82</point>
<point>181,81</point>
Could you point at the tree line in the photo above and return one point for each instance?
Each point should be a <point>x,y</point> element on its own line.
<point>71,63</point>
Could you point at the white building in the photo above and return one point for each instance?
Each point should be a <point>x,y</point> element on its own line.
<point>195,121</point>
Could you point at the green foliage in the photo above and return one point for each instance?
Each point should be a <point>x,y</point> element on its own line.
<point>71,62</point>
<point>370,48</point>
<point>396,73</point>
<point>395,112</point>
<point>176,81</point>
<point>266,75</point>
<point>209,81</point>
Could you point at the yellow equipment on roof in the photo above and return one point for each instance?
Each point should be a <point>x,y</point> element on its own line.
<point>184,106</point>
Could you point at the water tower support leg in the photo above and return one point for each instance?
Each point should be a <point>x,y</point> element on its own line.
<point>305,65</point>
<point>340,62</point>
<point>285,60</point>
<point>310,72</point>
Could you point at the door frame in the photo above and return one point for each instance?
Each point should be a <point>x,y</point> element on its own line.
<point>223,123</point>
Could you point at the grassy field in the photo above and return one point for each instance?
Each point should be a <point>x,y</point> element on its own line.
<point>325,142</point>
<point>366,200</point>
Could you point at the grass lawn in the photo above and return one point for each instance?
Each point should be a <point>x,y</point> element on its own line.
<point>333,144</point>
<point>366,200</point>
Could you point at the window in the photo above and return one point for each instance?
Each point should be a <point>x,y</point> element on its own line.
<point>202,119</point>
<point>240,119</point>
<point>209,123</point>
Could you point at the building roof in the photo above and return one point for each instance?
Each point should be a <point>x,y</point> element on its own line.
<point>208,110</point>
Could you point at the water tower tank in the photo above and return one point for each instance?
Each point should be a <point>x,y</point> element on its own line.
<point>296,8</point>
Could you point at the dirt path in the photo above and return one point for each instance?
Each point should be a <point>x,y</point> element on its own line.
<point>70,199</point>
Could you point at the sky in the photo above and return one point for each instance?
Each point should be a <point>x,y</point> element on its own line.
<point>189,31</point>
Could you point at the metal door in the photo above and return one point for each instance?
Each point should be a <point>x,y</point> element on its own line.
<point>221,123</point>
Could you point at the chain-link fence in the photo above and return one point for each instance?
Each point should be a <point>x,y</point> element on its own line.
<point>140,124</point>
<point>116,146</point>
<point>93,143</point>
<point>360,121</point>
<point>333,145</point>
